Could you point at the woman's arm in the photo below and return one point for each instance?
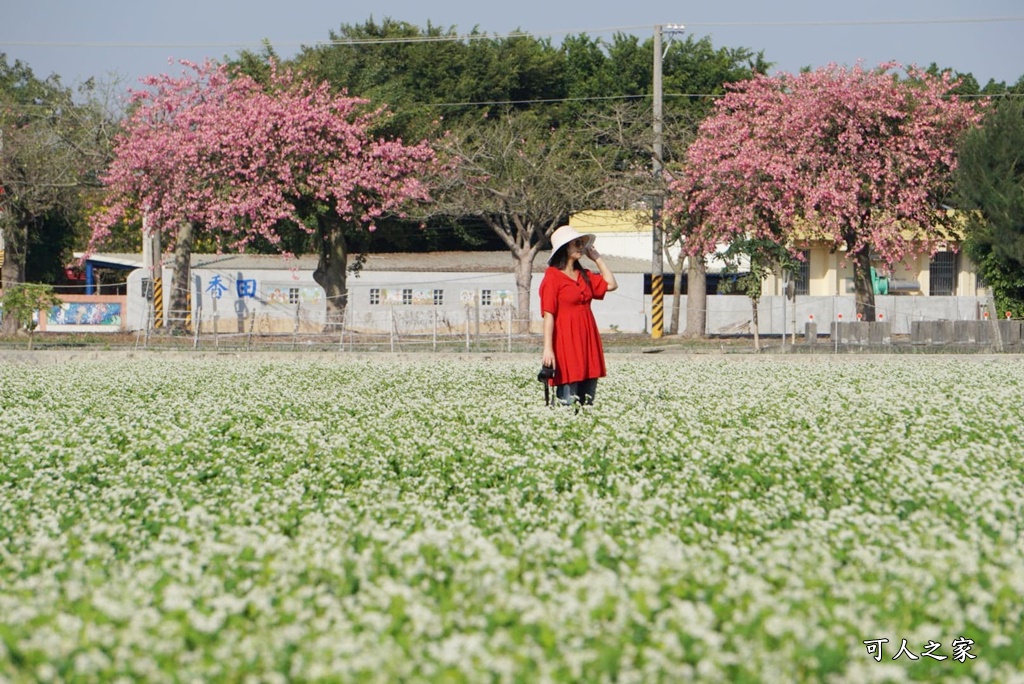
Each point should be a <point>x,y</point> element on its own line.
<point>549,339</point>
<point>606,272</point>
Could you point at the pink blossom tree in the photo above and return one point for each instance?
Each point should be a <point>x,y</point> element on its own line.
<point>858,159</point>
<point>239,161</point>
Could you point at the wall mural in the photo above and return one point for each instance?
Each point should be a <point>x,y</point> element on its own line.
<point>85,313</point>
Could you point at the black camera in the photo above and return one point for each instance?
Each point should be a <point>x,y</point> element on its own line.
<point>546,373</point>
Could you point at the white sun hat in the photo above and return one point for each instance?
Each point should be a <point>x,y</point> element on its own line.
<point>564,236</point>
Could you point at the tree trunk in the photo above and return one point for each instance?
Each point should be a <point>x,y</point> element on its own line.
<point>862,285</point>
<point>524,278</point>
<point>180,308</point>
<point>677,291</point>
<point>696,298</point>
<point>13,270</point>
<point>331,272</point>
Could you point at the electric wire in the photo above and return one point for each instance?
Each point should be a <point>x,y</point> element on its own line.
<point>510,35</point>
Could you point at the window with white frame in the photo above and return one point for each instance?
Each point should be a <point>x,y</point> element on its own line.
<point>374,296</point>
<point>293,295</point>
<point>438,297</point>
<point>407,296</point>
<point>485,297</point>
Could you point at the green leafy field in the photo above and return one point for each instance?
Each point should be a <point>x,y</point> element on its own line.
<point>346,519</point>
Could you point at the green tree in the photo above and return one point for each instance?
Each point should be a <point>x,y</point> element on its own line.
<point>968,86</point>
<point>51,147</point>
<point>989,188</point>
<point>20,302</point>
<point>431,74</point>
<point>382,62</point>
<point>588,81</point>
<point>748,261</point>
<point>631,65</point>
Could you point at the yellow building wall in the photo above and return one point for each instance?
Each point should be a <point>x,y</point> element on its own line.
<point>830,273</point>
<point>967,277</point>
<point>830,276</point>
<point>610,221</point>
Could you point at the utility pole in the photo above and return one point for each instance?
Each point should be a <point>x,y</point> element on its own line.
<point>657,260</point>
<point>658,240</point>
<point>1,210</point>
<point>152,264</point>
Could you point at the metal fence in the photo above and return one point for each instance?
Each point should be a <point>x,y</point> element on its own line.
<point>391,328</point>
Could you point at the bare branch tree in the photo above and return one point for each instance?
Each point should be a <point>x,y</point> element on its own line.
<point>522,178</point>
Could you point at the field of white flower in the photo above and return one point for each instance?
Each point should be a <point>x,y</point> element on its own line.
<point>377,520</point>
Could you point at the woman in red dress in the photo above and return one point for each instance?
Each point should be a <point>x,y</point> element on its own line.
<point>572,343</point>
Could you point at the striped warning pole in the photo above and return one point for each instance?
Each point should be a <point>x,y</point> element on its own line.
<point>153,270</point>
<point>158,302</point>
<point>657,306</point>
<point>188,309</point>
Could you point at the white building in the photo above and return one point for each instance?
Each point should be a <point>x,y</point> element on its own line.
<point>453,292</point>
<point>273,294</point>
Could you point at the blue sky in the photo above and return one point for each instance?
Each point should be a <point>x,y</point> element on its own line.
<point>132,38</point>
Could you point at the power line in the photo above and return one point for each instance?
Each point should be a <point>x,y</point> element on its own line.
<point>515,34</point>
<point>549,100</point>
<point>485,36</point>
<point>865,22</point>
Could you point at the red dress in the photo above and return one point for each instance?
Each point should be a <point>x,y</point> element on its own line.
<point>578,351</point>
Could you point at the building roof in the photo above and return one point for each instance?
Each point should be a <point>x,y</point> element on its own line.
<point>431,262</point>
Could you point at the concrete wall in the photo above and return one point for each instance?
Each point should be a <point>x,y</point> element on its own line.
<point>465,298</point>
<point>730,314</point>
<point>1004,335</point>
<point>282,300</point>
<point>268,301</point>
<point>278,298</point>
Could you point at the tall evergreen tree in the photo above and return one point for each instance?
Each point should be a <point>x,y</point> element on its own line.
<point>990,191</point>
<point>51,147</point>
